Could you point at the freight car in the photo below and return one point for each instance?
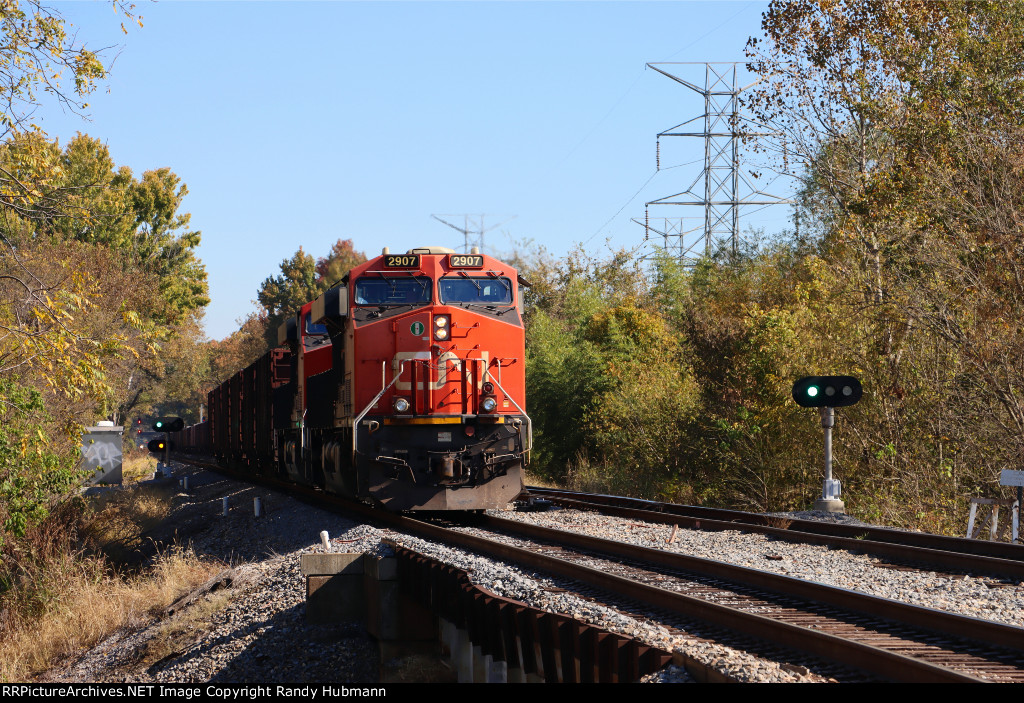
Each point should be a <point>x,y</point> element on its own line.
<point>403,386</point>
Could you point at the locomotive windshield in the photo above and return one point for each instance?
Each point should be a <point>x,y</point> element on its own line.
<point>392,291</point>
<point>482,290</point>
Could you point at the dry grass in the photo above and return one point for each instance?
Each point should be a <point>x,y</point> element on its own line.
<point>531,479</point>
<point>137,466</point>
<point>64,599</point>
<point>778,521</point>
<point>121,518</point>
<point>176,635</point>
<point>87,607</point>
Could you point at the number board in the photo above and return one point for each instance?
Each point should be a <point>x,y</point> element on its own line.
<point>465,261</point>
<point>402,261</point>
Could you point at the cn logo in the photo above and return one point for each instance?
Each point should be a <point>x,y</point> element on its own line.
<point>442,366</point>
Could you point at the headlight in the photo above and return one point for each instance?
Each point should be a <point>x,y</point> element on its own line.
<point>401,405</point>
<point>441,325</point>
<point>488,405</point>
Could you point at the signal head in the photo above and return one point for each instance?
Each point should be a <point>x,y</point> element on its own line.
<point>827,391</point>
<point>169,424</point>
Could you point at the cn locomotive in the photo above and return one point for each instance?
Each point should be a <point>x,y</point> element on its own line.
<point>403,385</point>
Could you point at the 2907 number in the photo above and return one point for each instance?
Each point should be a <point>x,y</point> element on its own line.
<point>465,261</point>
<point>401,260</point>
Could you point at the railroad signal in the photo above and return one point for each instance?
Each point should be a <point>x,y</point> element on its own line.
<point>158,446</point>
<point>169,424</point>
<point>827,391</point>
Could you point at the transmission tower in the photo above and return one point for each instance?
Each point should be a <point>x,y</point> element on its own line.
<point>472,230</point>
<point>722,187</point>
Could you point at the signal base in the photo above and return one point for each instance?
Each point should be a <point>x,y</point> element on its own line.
<point>830,505</point>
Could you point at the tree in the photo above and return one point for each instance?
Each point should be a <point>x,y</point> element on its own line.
<point>302,279</point>
<point>281,296</point>
<point>904,122</point>
<point>342,259</point>
<point>241,348</point>
<point>40,55</point>
<point>126,242</point>
<point>164,246</point>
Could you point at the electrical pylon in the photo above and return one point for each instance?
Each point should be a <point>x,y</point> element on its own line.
<point>472,230</point>
<point>722,188</point>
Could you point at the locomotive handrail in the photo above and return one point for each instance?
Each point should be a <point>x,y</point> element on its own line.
<point>529,422</point>
<point>360,416</point>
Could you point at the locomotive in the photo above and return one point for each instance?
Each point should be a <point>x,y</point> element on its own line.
<point>403,385</point>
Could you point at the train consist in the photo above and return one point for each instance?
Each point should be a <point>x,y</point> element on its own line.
<point>403,385</point>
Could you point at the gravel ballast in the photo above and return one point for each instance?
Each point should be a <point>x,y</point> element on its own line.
<point>259,633</point>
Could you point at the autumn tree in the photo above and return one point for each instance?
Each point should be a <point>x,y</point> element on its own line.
<point>903,122</point>
<point>53,365</point>
<point>41,54</point>
<point>130,241</point>
<point>302,279</point>
<point>342,258</point>
<point>239,349</point>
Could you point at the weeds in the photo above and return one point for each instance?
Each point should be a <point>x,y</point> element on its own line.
<point>58,596</point>
<point>121,518</point>
<point>88,607</point>
<point>138,466</point>
<point>178,634</point>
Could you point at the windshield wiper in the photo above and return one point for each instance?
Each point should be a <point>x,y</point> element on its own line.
<point>479,290</point>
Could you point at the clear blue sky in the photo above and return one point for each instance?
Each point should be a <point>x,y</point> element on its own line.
<point>299,123</point>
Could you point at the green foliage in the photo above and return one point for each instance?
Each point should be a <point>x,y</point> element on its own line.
<point>33,469</point>
<point>912,158</point>
<point>281,296</point>
<point>597,350</point>
<point>903,122</point>
<point>342,258</point>
<point>302,279</point>
<point>77,194</point>
<point>40,53</point>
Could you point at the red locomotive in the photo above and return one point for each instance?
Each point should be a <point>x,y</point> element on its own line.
<point>403,385</point>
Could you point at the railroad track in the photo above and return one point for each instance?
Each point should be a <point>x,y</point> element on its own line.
<point>879,638</point>
<point>887,639</point>
<point>955,554</point>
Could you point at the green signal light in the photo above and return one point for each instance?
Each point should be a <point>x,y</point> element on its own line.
<point>826,391</point>
<point>168,424</point>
